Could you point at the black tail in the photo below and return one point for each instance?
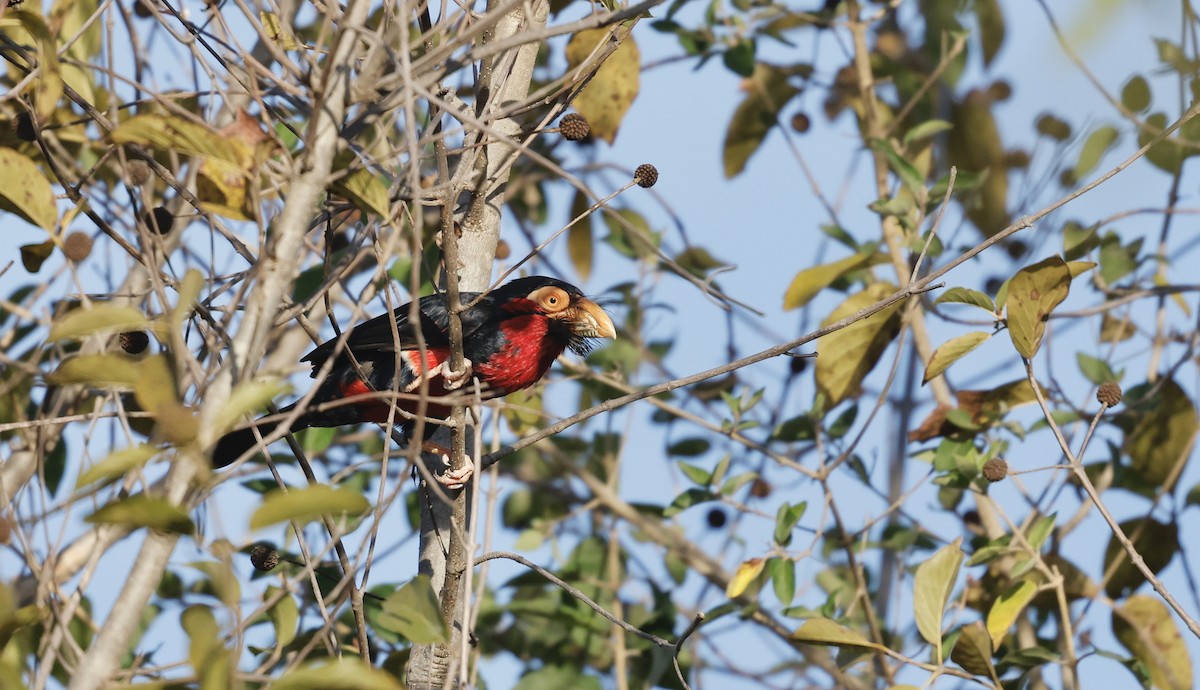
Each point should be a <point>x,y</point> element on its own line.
<point>234,444</point>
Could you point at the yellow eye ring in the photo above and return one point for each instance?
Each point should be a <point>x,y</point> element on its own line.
<point>550,298</point>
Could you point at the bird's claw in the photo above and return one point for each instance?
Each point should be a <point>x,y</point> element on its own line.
<point>451,380</point>
<point>454,380</point>
<point>455,479</point>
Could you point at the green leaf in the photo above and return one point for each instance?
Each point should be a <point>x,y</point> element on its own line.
<point>697,474</point>
<point>1135,95</point>
<point>991,28</point>
<point>284,615</point>
<point>1162,434</point>
<point>99,318</point>
<point>932,586</point>
<point>607,97</point>
<point>348,673</point>
<point>1040,531</point>
<point>25,191</point>
<point>785,521</point>
<point>739,58</point>
<point>1145,627</point>
<point>686,500</point>
<point>1156,542</point>
<point>1117,261</point>
<point>857,348</point>
<point>811,281</point>
<point>580,246</point>
<point>307,504</point>
<point>117,464</point>
<point>925,130</point>
<point>913,180</point>
<point>951,351</point>
<point>973,651</point>
<point>826,632</point>
<point>1007,607</point>
<point>34,255</point>
<point>557,677</point>
<point>1033,293</point>
<point>961,295</point>
<point>1096,370</point>
<point>689,447</point>
<point>204,636</point>
<point>414,613</point>
<point>1098,143</point>
<point>141,510</point>
<point>782,572</point>
<point>767,92</point>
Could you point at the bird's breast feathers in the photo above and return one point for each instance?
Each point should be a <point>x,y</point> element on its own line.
<point>528,349</point>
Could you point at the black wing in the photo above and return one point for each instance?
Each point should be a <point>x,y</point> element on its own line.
<point>375,335</point>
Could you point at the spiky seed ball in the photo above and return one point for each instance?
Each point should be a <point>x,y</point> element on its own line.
<point>134,342</point>
<point>159,220</point>
<point>137,172</point>
<point>264,557</point>
<point>77,246</point>
<point>23,127</point>
<point>574,127</point>
<point>646,175</point>
<point>995,469</point>
<point>1109,394</point>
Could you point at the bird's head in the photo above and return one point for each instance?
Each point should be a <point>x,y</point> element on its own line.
<point>568,312</point>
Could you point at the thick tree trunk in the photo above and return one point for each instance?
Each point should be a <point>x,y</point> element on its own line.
<point>506,79</point>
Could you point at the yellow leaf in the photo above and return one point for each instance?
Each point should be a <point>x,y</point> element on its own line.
<point>1033,293</point>
<point>307,504</point>
<point>366,190</point>
<point>47,85</point>
<point>178,134</point>
<point>854,350</point>
<point>143,511</point>
<point>99,318</point>
<point>826,632</point>
<point>117,464</point>
<point>277,32</point>
<point>579,237</point>
<point>746,573</point>
<point>612,89</point>
<point>951,351</point>
<point>25,191</point>
<point>1144,626</point>
<point>811,281</point>
<point>1006,609</point>
<point>932,585</point>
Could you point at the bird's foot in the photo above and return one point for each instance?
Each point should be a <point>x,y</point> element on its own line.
<point>455,379</point>
<point>450,478</point>
<point>451,380</point>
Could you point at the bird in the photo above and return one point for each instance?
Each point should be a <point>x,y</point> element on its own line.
<point>511,336</point>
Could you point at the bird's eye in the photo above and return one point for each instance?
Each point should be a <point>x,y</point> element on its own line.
<point>551,299</point>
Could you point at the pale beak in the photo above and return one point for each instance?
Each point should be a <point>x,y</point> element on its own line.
<point>588,320</point>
